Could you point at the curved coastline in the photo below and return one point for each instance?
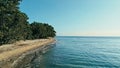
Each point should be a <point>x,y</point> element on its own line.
<point>20,54</point>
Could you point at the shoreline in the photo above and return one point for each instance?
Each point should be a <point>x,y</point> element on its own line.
<point>10,53</point>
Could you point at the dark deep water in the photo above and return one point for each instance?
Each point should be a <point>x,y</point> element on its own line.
<point>82,52</point>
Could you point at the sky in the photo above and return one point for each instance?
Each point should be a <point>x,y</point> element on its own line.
<point>76,17</point>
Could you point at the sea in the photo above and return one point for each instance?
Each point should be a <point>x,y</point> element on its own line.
<point>82,52</point>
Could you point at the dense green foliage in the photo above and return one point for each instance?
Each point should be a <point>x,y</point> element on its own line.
<point>42,30</point>
<point>14,25</point>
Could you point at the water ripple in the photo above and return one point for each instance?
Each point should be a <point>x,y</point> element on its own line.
<point>82,52</point>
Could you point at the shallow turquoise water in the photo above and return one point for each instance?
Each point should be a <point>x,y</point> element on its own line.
<point>82,52</point>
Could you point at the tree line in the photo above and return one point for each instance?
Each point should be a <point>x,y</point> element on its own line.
<point>14,25</point>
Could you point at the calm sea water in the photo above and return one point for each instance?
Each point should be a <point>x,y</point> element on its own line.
<point>82,52</point>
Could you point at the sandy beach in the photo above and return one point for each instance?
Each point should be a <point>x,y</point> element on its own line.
<point>9,50</point>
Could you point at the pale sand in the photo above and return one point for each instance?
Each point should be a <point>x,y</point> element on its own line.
<point>9,50</point>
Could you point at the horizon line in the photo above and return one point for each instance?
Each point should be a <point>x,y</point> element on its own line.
<point>90,35</point>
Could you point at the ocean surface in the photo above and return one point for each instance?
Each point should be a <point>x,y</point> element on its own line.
<point>82,52</point>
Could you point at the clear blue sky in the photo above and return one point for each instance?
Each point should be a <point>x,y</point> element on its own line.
<point>76,17</point>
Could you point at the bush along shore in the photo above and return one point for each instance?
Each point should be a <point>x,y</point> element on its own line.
<point>14,25</point>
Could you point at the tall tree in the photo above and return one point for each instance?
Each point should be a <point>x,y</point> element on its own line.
<point>13,22</point>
